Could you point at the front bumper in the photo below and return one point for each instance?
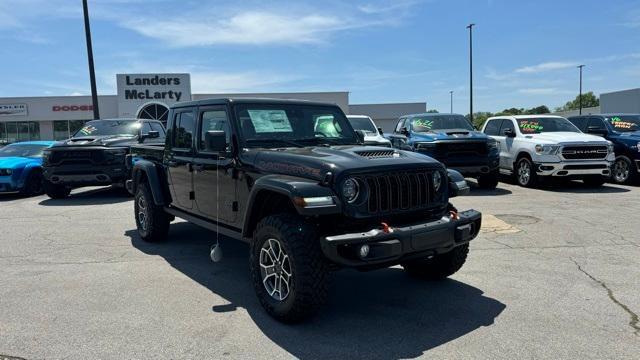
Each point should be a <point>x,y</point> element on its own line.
<point>568,169</point>
<point>402,243</point>
<point>9,187</point>
<point>86,175</point>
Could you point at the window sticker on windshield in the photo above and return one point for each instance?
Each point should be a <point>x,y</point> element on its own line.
<point>88,130</point>
<point>527,126</point>
<point>424,123</point>
<point>621,124</point>
<point>269,121</point>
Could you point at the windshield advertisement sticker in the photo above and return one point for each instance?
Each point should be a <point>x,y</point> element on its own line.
<point>621,124</point>
<point>270,121</point>
<point>423,123</point>
<point>527,126</point>
<point>87,130</point>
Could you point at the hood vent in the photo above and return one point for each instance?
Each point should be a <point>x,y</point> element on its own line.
<point>378,154</point>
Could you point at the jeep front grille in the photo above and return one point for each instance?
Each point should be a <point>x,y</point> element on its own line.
<point>585,152</point>
<point>410,190</point>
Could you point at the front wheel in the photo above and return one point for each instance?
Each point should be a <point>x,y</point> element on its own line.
<point>525,174</point>
<point>623,171</point>
<point>440,266</point>
<point>56,191</point>
<point>488,181</point>
<point>289,272</point>
<point>33,185</point>
<point>151,220</point>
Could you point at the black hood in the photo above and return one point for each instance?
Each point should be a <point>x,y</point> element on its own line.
<point>315,162</point>
<point>107,141</point>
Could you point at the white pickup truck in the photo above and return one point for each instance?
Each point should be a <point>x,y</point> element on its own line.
<point>537,146</point>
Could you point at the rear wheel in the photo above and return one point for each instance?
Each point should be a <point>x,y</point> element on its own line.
<point>290,274</point>
<point>440,266</point>
<point>623,171</point>
<point>151,220</point>
<point>525,174</point>
<point>488,181</point>
<point>56,191</point>
<point>33,185</point>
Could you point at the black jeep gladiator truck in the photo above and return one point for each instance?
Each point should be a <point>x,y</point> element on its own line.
<point>95,155</point>
<point>307,199</point>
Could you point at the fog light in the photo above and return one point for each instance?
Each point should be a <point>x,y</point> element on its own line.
<point>364,251</point>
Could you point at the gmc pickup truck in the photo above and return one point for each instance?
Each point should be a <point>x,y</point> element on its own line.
<point>308,199</point>
<point>450,139</point>
<point>95,155</point>
<point>535,147</point>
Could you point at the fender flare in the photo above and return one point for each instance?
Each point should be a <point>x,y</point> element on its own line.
<point>293,188</point>
<point>26,171</point>
<point>150,170</point>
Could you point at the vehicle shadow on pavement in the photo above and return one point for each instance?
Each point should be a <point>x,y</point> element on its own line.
<point>93,196</point>
<point>477,191</point>
<point>380,314</point>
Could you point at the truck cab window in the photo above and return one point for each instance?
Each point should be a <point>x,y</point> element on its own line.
<point>213,120</point>
<point>506,124</point>
<point>183,130</point>
<point>492,127</point>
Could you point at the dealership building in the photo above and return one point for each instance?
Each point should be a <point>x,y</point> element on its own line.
<point>149,96</point>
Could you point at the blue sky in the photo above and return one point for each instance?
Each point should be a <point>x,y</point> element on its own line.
<point>525,52</point>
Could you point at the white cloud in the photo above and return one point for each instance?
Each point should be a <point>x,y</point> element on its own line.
<point>378,8</point>
<point>547,66</point>
<point>257,27</point>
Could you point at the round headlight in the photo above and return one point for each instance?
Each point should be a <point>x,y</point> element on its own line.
<point>437,181</point>
<point>350,190</point>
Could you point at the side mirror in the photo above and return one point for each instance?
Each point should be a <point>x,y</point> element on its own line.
<point>360,136</point>
<point>380,131</point>
<point>509,133</point>
<point>215,141</point>
<point>457,184</point>
<point>404,131</point>
<point>150,135</point>
<point>596,130</point>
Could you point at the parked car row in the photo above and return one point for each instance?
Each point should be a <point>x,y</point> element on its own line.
<point>312,190</point>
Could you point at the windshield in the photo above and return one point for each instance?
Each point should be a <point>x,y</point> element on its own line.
<point>18,150</point>
<point>624,123</point>
<point>362,123</point>
<point>440,122</point>
<point>109,127</point>
<point>537,126</point>
<point>294,125</point>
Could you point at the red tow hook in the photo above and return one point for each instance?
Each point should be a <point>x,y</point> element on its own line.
<point>454,214</point>
<point>386,228</point>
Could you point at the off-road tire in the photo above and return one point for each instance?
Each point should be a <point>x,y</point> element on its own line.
<point>532,180</point>
<point>594,181</point>
<point>310,273</point>
<point>488,181</point>
<point>55,191</point>
<point>440,266</point>
<point>157,220</point>
<point>34,184</point>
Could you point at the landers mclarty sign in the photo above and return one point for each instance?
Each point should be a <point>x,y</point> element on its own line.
<point>136,90</point>
<point>148,93</point>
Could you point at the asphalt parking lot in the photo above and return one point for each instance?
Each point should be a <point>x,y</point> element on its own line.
<point>554,274</point>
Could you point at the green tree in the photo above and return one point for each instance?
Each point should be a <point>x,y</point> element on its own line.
<point>432,111</point>
<point>542,109</point>
<point>588,100</point>
<point>479,118</point>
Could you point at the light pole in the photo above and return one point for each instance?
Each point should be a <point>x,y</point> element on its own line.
<point>92,72</point>
<point>470,27</point>
<point>580,94</point>
<point>451,101</point>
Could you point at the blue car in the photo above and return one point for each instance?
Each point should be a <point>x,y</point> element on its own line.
<point>21,167</point>
<point>452,140</point>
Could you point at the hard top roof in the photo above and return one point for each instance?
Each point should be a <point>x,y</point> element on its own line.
<point>247,100</point>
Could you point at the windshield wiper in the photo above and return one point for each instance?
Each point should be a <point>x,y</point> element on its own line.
<point>282,141</point>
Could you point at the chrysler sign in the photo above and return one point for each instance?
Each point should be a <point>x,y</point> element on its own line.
<point>136,90</point>
<point>13,109</point>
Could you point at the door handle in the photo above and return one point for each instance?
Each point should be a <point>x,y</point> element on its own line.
<point>198,167</point>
